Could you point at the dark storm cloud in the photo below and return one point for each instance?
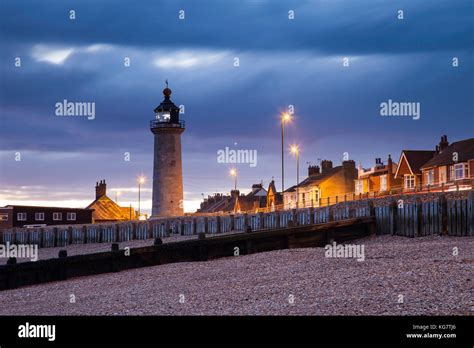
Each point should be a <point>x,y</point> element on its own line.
<point>349,27</point>
<point>282,62</point>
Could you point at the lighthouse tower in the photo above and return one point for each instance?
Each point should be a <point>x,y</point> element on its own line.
<point>167,168</point>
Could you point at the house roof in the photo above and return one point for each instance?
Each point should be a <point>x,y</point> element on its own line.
<point>45,207</point>
<point>272,188</point>
<point>277,196</point>
<point>464,149</point>
<point>228,206</point>
<point>128,212</point>
<point>107,209</point>
<point>383,170</point>
<point>261,192</point>
<point>416,158</point>
<point>214,206</point>
<point>319,178</point>
<point>245,203</point>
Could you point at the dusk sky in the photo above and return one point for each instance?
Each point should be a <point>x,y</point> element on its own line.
<point>282,62</point>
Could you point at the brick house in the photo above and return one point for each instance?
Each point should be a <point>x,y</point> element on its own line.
<point>106,210</point>
<point>378,179</point>
<point>30,216</point>
<point>235,202</point>
<point>253,201</point>
<point>321,184</point>
<point>451,167</point>
<point>409,168</point>
<point>274,198</point>
<point>446,167</point>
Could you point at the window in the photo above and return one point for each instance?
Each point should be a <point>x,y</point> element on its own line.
<point>315,196</point>
<point>430,177</point>
<point>39,216</point>
<point>409,181</point>
<point>72,216</point>
<point>451,173</point>
<point>3,217</point>
<point>461,171</point>
<point>383,183</point>
<point>21,216</point>
<point>442,174</point>
<point>359,186</point>
<point>57,216</point>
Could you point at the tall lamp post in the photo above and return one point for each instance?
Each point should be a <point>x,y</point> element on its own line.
<point>296,151</point>
<point>285,117</point>
<point>233,173</point>
<point>141,180</point>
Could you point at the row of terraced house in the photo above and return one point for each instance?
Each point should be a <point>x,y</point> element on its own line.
<point>446,167</point>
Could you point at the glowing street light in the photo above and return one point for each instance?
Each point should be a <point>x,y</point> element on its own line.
<point>141,180</point>
<point>285,117</point>
<point>296,151</point>
<point>117,194</point>
<point>233,173</point>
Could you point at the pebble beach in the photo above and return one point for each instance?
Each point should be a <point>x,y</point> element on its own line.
<point>399,276</point>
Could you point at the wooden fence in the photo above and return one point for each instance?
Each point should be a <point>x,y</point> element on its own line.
<point>437,216</point>
<point>411,217</point>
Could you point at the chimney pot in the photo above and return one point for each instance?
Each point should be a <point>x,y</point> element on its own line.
<point>313,170</point>
<point>349,164</point>
<point>443,143</point>
<point>100,189</point>
<point>325,166</point>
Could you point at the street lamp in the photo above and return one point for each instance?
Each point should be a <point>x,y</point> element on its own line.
<point>117,194</point>
<point>296,151</point>
<point>285,117</point>
<point>141,180</point>
<point>233,173</point>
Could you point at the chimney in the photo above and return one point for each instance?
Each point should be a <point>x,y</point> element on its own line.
<point>360,170</point>
<point>378,162</point>
<point>349,164</point>
<point>256,187</point>
<point>234,193</point>
<point>313,170</point>
<point>443,143</point>
<point>325,166</point>
<point>389,172</point>
<point>100,189</point>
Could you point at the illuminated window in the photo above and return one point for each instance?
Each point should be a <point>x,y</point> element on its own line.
<point>409,181</point>
<point>383,183</point>
<point>430,177</point>
<point>442,174</point>
<point>163,116</point>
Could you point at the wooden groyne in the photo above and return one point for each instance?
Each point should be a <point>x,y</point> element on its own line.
<point>204,248</point>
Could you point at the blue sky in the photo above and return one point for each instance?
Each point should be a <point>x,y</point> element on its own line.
<point>282,62</point>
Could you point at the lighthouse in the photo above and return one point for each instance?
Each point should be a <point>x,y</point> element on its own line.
<point>167,168</point>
